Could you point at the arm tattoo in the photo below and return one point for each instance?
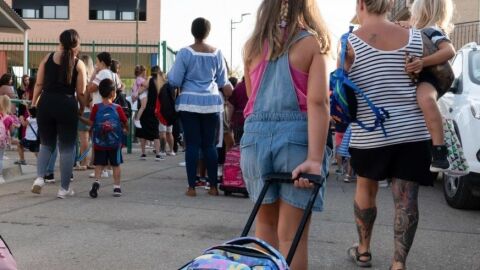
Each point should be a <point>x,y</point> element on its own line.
<point>406,217</point>
<point>365,218</point>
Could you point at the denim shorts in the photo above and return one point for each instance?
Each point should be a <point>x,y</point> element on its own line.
<point>277,147</point>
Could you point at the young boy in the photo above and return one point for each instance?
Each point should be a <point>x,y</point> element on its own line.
<point>108,122</point>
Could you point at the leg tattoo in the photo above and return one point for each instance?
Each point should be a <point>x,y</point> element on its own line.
<point>365,218</point>
<point>405,196</point>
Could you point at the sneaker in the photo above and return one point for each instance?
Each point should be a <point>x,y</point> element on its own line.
<point>439,159</point>
<point>110,172</point>
<point>117,192</point>
<point>207,186</point>
<point>191,192</point>
<point>201,182</point>
<point>143,157</point>
<point>37,185</point>
<point>159,158</point>
<point>213,191</point>
<point>137,124</point>
<point>20,162</point>
<point>49,178</point>
<point>182,164</point>
<point>171,154</point>
<point>346,179</point>
<point>62,193</point>
<point>94,191</point>
<point>2,180</point>
<point>71,178</point>
<point>163,153</point>
<point>92,175</point>
<point>105,174</point>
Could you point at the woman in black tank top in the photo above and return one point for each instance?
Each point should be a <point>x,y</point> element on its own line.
<point>60,76</point>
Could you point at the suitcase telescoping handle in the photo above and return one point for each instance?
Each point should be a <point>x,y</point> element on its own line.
<point>317,180</point>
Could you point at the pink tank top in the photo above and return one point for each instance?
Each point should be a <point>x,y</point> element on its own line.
<point>299,78</point>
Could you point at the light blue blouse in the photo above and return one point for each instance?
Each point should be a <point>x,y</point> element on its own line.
<point>199,76</point>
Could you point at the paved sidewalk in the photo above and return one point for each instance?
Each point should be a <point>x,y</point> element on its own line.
<point>154,226</point>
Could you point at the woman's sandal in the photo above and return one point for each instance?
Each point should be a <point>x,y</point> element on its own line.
<point>356,257</point>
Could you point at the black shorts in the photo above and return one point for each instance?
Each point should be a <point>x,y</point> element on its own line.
<point>32,146</point>
<point>108,157</point>
<point>406,161</point>
<point>428,77</point>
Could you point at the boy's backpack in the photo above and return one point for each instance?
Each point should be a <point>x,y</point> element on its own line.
<point>167,98</point>
<point>239,254</point>
<point>343,99</point>
<point>107,129</point>
<point>4,134</point>
<point>7,262</point>
<point>121,101</point>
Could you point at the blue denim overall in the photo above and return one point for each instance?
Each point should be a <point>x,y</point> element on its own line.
<point>275,136</point>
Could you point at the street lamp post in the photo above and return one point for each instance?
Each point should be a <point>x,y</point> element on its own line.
<point>232,23</point>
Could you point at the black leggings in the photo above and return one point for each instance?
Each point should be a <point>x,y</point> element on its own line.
<point>57,119</point>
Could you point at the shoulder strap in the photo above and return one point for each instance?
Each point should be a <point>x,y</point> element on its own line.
<point>343,52</point>
<point>300,35</point>
<point>34,132</point>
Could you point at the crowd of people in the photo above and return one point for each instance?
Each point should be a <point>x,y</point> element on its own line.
<point>278,113</point>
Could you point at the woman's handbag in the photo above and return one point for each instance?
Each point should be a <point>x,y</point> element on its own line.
<point>456,157</point>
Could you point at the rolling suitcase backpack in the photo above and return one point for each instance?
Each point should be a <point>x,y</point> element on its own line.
<point>243,253</point>
<point>7,262</point>
<point>232,174</point>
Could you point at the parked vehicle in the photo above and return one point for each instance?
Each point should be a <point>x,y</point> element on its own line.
<point>462,105</point>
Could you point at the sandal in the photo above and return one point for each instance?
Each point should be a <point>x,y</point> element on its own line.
<point>356,257</point>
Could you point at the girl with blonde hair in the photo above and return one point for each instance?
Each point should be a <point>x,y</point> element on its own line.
<point>433,18</point>
<point>287,116</point>
<point>10,123</point>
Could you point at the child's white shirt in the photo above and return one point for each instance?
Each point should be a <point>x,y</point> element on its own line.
<point>33,126</point>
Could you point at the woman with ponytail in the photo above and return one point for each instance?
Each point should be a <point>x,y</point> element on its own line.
<point>287,116</point>
<point>60,76</point>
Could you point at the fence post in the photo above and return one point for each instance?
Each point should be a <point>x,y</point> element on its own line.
<point>164,55</point>
<point>93,50</point>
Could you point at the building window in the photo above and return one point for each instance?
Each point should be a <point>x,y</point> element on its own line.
<point>117,10</point>
<point>55,9</point>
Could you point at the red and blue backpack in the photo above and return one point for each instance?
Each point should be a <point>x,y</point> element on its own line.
<point>343,98</point>
<point>107,128</point>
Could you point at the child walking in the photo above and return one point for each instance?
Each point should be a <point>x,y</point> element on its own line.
<point>433,17</point>
<point>289,42</point>
<point>109,123</point>
<point>7,125</point>
<point>31,141</point>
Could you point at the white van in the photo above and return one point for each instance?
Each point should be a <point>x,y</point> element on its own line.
<point>462,105</point>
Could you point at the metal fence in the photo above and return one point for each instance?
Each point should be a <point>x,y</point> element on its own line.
<point>149,54</point>
<point>465,33</point>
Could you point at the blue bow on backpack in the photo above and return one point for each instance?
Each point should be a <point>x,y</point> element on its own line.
<point>343,100</point>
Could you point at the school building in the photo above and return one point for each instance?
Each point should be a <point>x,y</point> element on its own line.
<point>103,25</point>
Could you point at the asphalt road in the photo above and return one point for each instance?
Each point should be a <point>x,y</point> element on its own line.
<point>154,226</point>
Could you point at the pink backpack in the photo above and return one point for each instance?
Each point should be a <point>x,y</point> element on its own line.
<point>6,259</point>
<point>4,134</point>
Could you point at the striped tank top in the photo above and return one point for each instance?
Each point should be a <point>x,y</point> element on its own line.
<point>381,75</point>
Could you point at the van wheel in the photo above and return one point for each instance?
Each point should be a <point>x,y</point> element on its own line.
<point>458,192</point>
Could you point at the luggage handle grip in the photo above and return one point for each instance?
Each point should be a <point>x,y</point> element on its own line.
<point>287,178</point>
